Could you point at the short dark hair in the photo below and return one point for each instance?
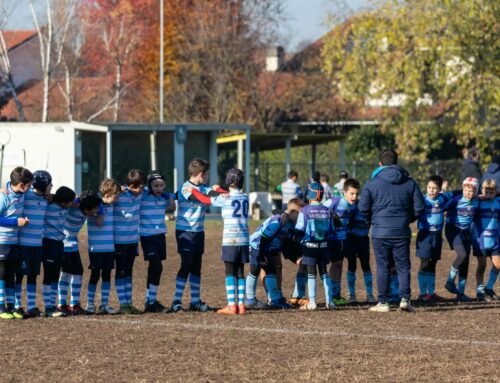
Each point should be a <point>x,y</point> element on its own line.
<point>136,177</point>
<point>438,180</point>
<point>289,217</point>
<point>64,194</point>
<point>197,166</point>
<point>388,157</point>
<point>324,177</point>
<point>473,153</point>
<point>20,175</point>
<point>293,173</point>
<point>351,183</point>
<point>89,200</point>
<point>297,201</point>
<point>316,176</point>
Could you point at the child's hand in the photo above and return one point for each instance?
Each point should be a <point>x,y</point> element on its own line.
<point>171,205</point>
<point>299,261</point>
<point>21,222</point>
<point>3,190</point>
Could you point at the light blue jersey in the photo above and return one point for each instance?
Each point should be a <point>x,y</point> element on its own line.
<point>73,223</point>
<point>270,229</point>
<point>315,221</point>
<point>191,214</point>
<point>34,209</point>
<point>235,216</point>
<point>101,238</point>
<point>126,217</point>
<point>433,219</point>
<point>152,213</point>
<point>487,228</point>
<point>345,211</point>
<point>461,211</point>
<point>53,227</point>
<point>11,206</point>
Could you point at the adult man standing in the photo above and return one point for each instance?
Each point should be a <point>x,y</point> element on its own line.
<point>391,200</point>
<point>290,188</point>
<point>470,166</point>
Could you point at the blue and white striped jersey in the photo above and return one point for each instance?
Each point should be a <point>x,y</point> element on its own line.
<point>11,206</point>
<point>101,238</point>
<point>126,217</point>
<point>315,221</point>
<point>34,209</point>
<point>235,216</point>
<point>270,228</point>
<point>487,228</point>
<point>152,213</point>
<point>345,211</point>
<point>191,214</point>
<point>73,223</point>
<point>433,219</point>
<point>53,227</point>
<point>289,190</point>
<point>360,224</point>
<point>461,211</point>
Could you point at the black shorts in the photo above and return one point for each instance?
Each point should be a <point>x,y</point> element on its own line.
<point>458,237</point>
<point>359,246</point>
<point>53,250</point>
<point>291,249</point>
<point>125,256</point>
<point>30,260</point>
<point>9,252</point>
<point>235,254</point>
<point>338,249</point>
<point>254,254</point>
<point>102,261</point>
<point>190,242</point>
<point>154,247</point>
<point>477,252</point>
<point>72,263</point>
<point>315,254</point>
<point>429,244</point>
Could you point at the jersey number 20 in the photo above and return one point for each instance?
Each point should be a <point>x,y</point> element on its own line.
<point>243,206</point>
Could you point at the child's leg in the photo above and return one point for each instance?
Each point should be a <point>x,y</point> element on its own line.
<point>300,282</point>
<point>431,282</point>
<point>120,271</point>
<point>271,282</point>
<point>182,275</point>
<point>335,274</point>
<point>195,278</point>
<point>463,270</point>
<point>10,272</point>
<point>47,283</point>
<point>423,273</point>
<point>155,268</point>
<point>105,286</point>
<point>351,273</point>
<point>31,292</point>
<point>278,267</point>
<point>461,254</point>
<point>129,272</point>
<point>251,282</point>
<point>240,273</point>
<point>231,272</point>
<point>327,284</point>
<point>76,272</point>
<point>495,270</point>
<point>95,274</point>
<point>481,268</point>
<point>311,284</point>
<point>63,286</point>
<point>19,290</point>
<point>3,272</point>
<point>364,260</point>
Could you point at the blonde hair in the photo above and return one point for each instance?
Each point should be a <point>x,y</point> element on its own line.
<point>489,184</point>
<point>109,187</point>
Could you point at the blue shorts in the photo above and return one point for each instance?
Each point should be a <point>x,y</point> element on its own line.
<point>429,244</point>
<point>72,263</point>
<point>190,242</point>
<point>102,261</point>
<point>154,247</point>
<point>9,252</point>
<point>477,252</point>
<point>457,237</point>
<point>291,249</point>
<point>338,249</point>
<point>254,254</point>
<point>235,254</point>
<point>315,253</point>
<point>30,260</point>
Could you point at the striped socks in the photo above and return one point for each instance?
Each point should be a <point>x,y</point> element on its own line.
<point>91,289</point>
<point>76,287</point>
<point>351,283</point>
<point>241,291</point>
<point>19,294</point>
<point>311,287</point>
<point>194,285</point>
<point>327,284</point>
<point>180,284</point>
<point>230,289</point>
<point>30,296</point>
<point>151,293</point>
<point>63,287</point>
<point>251,286</point>
<point>128,289</point>
<point>120,290</point>
<point>368,280</point>
<point>47,295</point>
<point>105,287</point>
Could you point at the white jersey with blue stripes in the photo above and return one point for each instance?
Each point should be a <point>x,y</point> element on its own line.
<point>235,215</point>
<point>11,206</point>
<point>126,217</point>
<point>35,206</point>
<point>53,227</point>
<point>73,223</point>
<point>191,214</point>
<point>152,213</point>
<point>101,237</point>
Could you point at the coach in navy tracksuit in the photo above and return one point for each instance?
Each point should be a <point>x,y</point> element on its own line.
<point>391,199</point>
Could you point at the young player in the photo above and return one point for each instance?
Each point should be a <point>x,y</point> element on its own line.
<point>30,242</point>
<point>461,210</point>
<point>53,248</point>
<point>344,207</point>
<point>190,236</point>
<point>315,223</point>
<point>11,211</point>
<point>152,230</point>
<point>86,205</point>
<point>101,247</point>
<point>126,237</point>
<point>485,239</point>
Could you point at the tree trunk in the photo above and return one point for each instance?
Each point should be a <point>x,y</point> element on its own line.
<point>118,80</point>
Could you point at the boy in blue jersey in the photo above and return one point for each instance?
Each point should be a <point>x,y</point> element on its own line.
<point>486,239</point>
<point>11,211</point>
<point>126,237</point>
<point>190,235</point>
<point>344,207</point>
<point>86,205</point>
<point>152,230</point>
<point>30,242</point>
<point>102,247</point>
<point>53,248</point>
<point>315,225</point>
<point>461,210</point>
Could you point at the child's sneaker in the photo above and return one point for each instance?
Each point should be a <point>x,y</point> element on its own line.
<point>6,315</point>
<point>76,310</point>
<point>339,301</point>
<point>330,306</point>
<point>63,309</point>
<point>481,297</point>
<point>462,298</point>
<point>199,306</point>
<point>309,306</point>
<point>155,307</point>
<point>33,313</point>
<point>105,309</point>
<point>133,310</point>
<point>380,308</point>
<point>176,306</point>
<point>18,313</point>
<point>124,309</point>
<point>370,298</point>
<point>299,301</point>
<point>405,305</point>
<point>51,312</point>
<point>90,309</point>
<point>352,299</point>
<point>241,309</point>
<point>228,310</point>
<point>255,304</point>
<point>491,295</point>
<point>280,304</point>
<point>450,286</point>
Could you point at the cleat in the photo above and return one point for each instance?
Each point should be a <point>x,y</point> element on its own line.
<point>370,298</point>
<point>461,297</point>
<point>155,307</point>
<point>90,309</point>
<point>18,313</point>
<point>405,305</point>
<point>105,310</point>
<point>280,305</point>
<point>241,309</point>
<point>299,301</point>
<point>330,306</point>
<point>255,304</point>
<point>339,301</point>
<point>33,313</point>
<point>6,315</point>
<point>352,299</point>
<point>77,310</point>
<point>51,312</point>
<point>481,297</point>
<point>450,286</point>
<point>133,310</point>
<point>228,310</point>
<point>199,306</point>
<point>62,309</point>
<point>176,306</point>
<point>380,308</point>
<point>309,307</point>
<point>124,309</point>
<point>491,295</point>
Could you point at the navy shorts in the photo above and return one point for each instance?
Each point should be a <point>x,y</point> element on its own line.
<point>102,261</point>
<point>315,253</point>
<point>30,260</point>
<point>477,252</point>
<point>190,242</point>
<point>72,263</point>
<point>125,256</point>
<point>235,254</point>
<point>359,246</point>
<point>458,237</point>
<point>9,252</point>
<point>268,255</point>
<point>429,244</point>
<point>291,249</point>
<point>154,247</point>
<point>338,249</point>
<point>53,250</point>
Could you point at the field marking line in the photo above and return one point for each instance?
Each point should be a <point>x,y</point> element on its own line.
<point>217,327</point>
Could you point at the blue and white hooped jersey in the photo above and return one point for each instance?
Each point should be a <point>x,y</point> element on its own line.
<point>315,221</point>
<point>461,211</point>
<point>73,223</point>
<point>345,211</point>
<point>152,213</point>
<point>11,206</point>
<point>126,217</point>
<point>235,216</point>
<point>487,229</point>
<point>289,190</point>
<point>433,218</point>
<point>191,214</point>
<point>270,228</point>
<point>360,224</point>
<point>55,216</point>
<point>35,207</point>
<point>101,238</point>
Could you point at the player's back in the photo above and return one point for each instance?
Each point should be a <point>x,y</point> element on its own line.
<point>34,209</point>
<point>235,215</point>
<point>316,223</point>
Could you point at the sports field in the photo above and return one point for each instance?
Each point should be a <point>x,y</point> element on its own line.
<point>440,343</point>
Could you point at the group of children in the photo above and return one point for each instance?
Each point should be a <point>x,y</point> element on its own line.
<point>38,227</point>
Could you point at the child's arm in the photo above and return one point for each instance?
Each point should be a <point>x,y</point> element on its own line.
<point>205,199</point>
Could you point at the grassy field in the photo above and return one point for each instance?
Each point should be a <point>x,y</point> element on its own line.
<point>444,342</point>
